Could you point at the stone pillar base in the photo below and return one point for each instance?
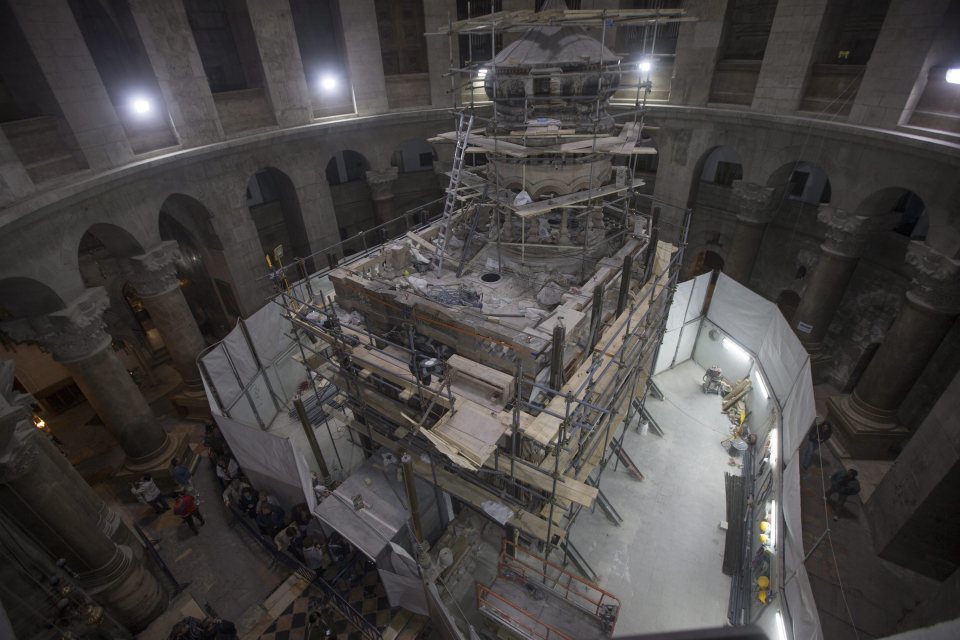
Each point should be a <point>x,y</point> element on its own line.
<point>178,446</point>
<point>864,437</point>
<point>820,365</point>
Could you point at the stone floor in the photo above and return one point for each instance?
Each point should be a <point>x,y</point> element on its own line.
<point>668,551</point>
<point>222,567</point>
<point>878,593</point>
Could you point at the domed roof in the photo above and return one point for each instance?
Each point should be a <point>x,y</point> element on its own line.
<point>549,46</point>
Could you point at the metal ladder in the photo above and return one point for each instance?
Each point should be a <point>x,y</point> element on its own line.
<point>463,136</point>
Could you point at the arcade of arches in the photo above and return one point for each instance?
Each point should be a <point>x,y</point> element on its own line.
<point>196,144</point>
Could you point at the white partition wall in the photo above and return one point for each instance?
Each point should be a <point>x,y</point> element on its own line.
<point>747,335</point>
<point>683,323</point>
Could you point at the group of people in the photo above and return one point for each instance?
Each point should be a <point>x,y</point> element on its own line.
<point>843,483</point>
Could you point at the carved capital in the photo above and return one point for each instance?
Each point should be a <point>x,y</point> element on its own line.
<point>846,232</point>
<point>70,334</point>
<point>754,202</point>
<point>936,279</point>
<point>155,271</point>
<point>18,448</point>
<point>381,183</point>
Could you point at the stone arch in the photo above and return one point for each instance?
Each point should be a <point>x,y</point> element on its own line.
<point>346,173</point>
<point>801,181</point>
<point>274,206</point>
<point>414,155</point>
<point>22,297</point>
<point>720,166</point>
<point>202,269</point>
<point>346,166</point>
<point>113,238</point>
<point>900,210</point>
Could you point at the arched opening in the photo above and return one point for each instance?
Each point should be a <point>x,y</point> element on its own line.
<point>37,373</point>
<point>788,302</point>
<point>203,271</point>
<point>275,208</point>
<point>347,174</point>
<point>801,182</point>
<point>101,254</point>
<point>902,211</point>
<point>711,198</point>
<point>705,262</point>
<point>413,155</point>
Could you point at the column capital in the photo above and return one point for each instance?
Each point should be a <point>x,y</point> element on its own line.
<point>846,231</point>
<point>155,271</point>
<point>936,279</point>
<point>754,202</point>
<point>381,182</point>
<point>71,334</point>
<point>18,449</point>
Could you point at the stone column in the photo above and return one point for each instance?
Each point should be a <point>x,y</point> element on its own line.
<point>52,501</point>
<point>15,183</point>
<point>890,83</point>
<point>788,56</point>
<point>56,41</point>
<point>173,54</point>
<point>381,183</point>
<point>754,205</point>
<point>698,47</point>
<point>154,277</point>
<point>866,418</point>
<point>283,74</point>
<point>437,14</point>
<point>846,234</point>
<point>359,19</point>
<point>76,338</point>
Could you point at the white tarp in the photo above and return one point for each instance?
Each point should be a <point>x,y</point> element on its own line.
<point>758,326</point>
<point>683,321</point>
<point>269,461</point>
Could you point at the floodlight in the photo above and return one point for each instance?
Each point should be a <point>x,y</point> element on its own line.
<point>953,75</point>
<point>732,346</point>
<point>645,65</point>
<point>781,630</point>
<point>482,73</point>
<point>141,105</point>
<point>328,82</point>
<point>762,385</point>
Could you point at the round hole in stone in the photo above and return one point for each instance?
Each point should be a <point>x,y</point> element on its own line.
<point>490,278</point>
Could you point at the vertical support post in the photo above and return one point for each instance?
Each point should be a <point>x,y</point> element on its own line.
<point>596,314</point>
<point>406,463</point>
<point>556,356</point>
<point>626,276</point>
<point>312,439</point>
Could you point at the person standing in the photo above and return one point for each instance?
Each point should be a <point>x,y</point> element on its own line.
<point>186,507</point>
<point>844,484</point>
<point>147,490</point>
<point>819,434</point>
<point>182,475</point>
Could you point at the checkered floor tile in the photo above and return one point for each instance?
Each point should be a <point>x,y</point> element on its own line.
<point>366,595</point>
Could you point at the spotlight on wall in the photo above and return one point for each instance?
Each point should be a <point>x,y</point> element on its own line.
<point>141,105</point>
<point>482,73</point>
<point>645,65</point>
<point>734,348</point>
<point>953,75</point>
<point>328,82</point>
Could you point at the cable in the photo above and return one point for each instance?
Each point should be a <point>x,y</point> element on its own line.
<point>833,553</point>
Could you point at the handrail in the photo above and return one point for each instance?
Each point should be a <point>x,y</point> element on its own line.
<point>483,591</point>
<point>344,608</point>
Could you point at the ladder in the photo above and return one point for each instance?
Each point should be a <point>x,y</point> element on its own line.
<point>626,460</point>
<point>464,125</point>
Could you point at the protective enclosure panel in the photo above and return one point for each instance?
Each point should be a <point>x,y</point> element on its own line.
<point>682,320</point>
<point>269,460</point>
<point>740,313</point>
<point>269,331</point>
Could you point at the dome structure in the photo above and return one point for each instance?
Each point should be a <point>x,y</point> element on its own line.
<point>554,72</point>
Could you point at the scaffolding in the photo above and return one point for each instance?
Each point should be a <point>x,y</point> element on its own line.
<point>513,404</point>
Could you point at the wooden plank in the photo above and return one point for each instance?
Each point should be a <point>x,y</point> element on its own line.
<point>567,488</point>
<point>544,206</point>
<point>499,381</point>
<point>493,144</point>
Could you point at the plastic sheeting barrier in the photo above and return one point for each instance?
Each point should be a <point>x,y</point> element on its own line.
<point>683,322</point>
